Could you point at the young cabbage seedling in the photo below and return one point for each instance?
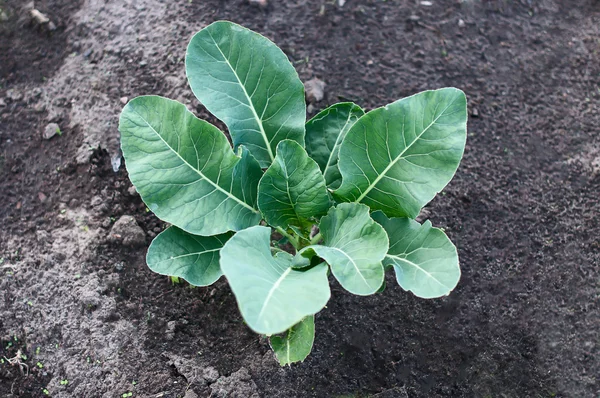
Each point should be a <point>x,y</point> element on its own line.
<point>360,178</point>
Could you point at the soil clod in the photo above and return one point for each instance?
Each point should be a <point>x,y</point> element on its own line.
<point>51,130</point>
<point>315,90</point>
<point>127,231</point>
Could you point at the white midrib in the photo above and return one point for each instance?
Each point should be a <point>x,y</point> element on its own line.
<point>250,104</point>
<point>353,264</point>
<point>229,194</point>
<point>272,291</point>
<point>392,163</point>
<point>287,185</point>
<point>337,143</point>
<point>416,266</point>
<point>194,254</point>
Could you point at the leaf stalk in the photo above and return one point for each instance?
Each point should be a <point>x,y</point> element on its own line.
<point>293,240</point>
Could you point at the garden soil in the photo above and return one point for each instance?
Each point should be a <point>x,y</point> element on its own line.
<point>82,316</point>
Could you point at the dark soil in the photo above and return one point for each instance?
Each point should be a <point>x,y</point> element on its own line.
<point>523,211</point>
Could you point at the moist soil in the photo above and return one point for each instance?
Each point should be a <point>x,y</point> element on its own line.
<point>82,316</point>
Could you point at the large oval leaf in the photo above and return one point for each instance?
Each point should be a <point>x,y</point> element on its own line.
<point>292,190</point>
<point>185,170</point>
<point>271,295</point>
<point>425,260</point>
<point>245,80</point>
<point>297,342</point>
<point>397,158</point>
<point>175,252</point>
<point>324,135</point>
<point>353,246</point>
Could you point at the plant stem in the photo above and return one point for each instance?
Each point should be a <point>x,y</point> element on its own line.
<point>315,239</point>
<point>293,240</point>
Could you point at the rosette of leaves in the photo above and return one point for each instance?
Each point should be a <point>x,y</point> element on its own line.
<point>358,178</point>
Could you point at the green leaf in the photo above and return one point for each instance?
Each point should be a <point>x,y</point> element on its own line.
<point>353,246</point>
<point>297,343</point>
<point>175,252</point>
<point>382,287</point>
<point>271,295</point>
<point>185,170</point>
<point>245,80</point>
<point>425,260</point>
<point>397,158</point>
<point>324,135</point>
<point>292,191</point>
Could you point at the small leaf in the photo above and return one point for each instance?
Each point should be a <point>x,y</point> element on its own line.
<point>325,133</point>
<point>271,295</point>
<point>425,260</point>
<point>184,168</point>
<point>353,246</point>
<point>245,80</point>
<point>297,343</point>
<point>177,253</point>
<point>292,190</point>
<point>397,158</point>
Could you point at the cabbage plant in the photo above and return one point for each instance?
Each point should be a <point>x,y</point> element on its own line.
<point>290,202</point>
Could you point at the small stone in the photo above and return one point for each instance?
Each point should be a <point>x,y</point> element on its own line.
<point>42,197</point>
<point>124,100</point>
<point>210,374</point>
<point>131,191</point>
<point>170,332</point>
<point>119,266</point>
<point>474,112</point>
<point>96,201</point>
<point>127,230</point>
<point>115,162</point>
<point>51,130</point>
<point>2,103</point>
<point>370,62</point>
<point>190,394</point>
<point>14,95</point>
<point>260,3</point>
<point>39,17</point>
<point>42,236</point>
<point>414,18</point>
<point>426,3</point>
<point>315,90</point>
<point>36,92</point>
<point>341,3</point>
<point>84,153</point>
<point>461,23</point>
<point>3,16</point>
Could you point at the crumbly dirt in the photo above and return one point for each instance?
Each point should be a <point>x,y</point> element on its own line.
<point>90,320</point>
